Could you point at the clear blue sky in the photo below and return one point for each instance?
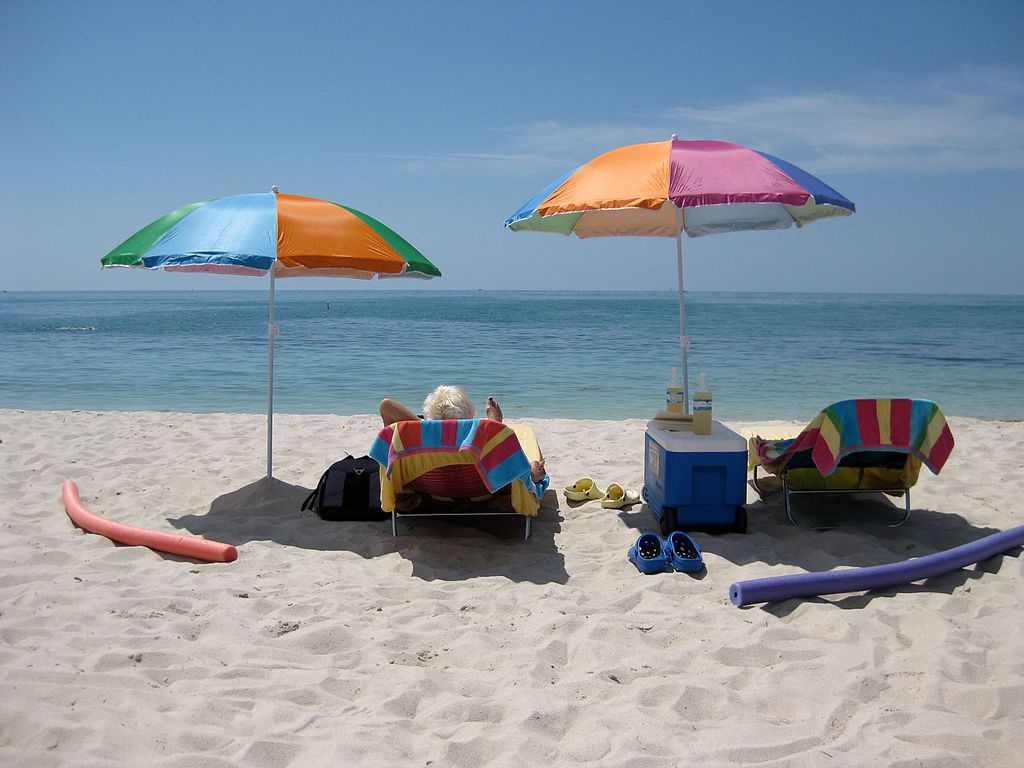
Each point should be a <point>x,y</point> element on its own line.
<point>442,118</point>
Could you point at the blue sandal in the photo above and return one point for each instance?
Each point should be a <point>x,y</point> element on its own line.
<point>684,552</point>
<point>649,554</point>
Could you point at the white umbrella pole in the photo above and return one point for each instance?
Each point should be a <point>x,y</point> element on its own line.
<point>684,341</point>
<point>271,332</point>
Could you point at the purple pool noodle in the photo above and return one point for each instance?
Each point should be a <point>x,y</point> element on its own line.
<point>777,588</point>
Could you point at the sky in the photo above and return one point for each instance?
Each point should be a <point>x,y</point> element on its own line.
<point>442,118</point>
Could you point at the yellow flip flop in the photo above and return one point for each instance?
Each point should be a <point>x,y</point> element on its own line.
<point>618,497</point>
<point>583,489</point>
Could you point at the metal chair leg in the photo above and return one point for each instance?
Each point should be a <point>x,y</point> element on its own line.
<point>906,510</point>
<point>785,493</point>
<point>789,508</point>
<point>757,488</point>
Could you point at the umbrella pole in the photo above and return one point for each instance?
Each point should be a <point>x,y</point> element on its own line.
<point>271,332</point>
<point>684,341</point>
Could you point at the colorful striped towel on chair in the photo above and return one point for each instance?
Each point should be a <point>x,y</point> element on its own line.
<point>917,427</point>
<point>497,453</point>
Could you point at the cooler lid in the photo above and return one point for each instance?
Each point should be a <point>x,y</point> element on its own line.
<point>721,440</point>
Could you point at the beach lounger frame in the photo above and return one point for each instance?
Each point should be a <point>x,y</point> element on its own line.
<point>448,461</point>
<point>862,460</point>
<point>875,445</point>
<point>465,503</point>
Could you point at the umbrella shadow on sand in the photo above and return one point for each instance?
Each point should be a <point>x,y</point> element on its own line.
<point>444,549</point>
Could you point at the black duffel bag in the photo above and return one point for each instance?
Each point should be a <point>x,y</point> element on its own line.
<point>348,490</point>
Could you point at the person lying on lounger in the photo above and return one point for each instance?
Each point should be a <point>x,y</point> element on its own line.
<point>450,402</point>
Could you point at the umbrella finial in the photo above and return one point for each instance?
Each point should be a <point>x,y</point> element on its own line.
<point>273,188</point>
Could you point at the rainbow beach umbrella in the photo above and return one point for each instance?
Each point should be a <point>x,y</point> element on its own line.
<point>276,234</point>
<point>663,189</point>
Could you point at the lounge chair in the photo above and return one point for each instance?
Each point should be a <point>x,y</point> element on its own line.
<point>472,466</point>
<point>857,446</point>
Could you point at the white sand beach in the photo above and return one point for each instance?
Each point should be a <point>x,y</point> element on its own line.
<point>459,644</point>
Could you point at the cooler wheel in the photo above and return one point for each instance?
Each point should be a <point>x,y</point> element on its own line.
<point>669,520</point>
<point>740,523</point>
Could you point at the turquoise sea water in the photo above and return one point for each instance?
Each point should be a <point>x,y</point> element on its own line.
<point>542,354</point>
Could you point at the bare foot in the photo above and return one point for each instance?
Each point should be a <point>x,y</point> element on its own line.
<point>493,410</point>
<point>537,472</point>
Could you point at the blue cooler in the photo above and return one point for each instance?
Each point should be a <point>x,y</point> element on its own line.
<point>696,482</point>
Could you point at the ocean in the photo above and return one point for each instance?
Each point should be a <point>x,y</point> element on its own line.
<point>547,354</point>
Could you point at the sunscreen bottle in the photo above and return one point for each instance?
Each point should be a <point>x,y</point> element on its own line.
<point>702,407</point>
<point>674,394</point>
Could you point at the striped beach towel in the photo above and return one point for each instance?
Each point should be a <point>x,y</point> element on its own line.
<point>492,446</point>
<point>915,427</point>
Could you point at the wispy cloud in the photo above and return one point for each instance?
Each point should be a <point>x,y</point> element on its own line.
<point>972,120</point>
<point>969,120</point>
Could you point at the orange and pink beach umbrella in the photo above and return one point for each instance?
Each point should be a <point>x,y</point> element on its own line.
<point>667,188</point>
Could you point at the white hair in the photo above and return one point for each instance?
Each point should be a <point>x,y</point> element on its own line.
<point>448,402</point>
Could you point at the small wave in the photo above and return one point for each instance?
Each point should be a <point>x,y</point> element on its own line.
<point>77,328</point>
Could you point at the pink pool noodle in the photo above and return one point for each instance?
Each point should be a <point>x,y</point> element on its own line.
<point>176,544</point>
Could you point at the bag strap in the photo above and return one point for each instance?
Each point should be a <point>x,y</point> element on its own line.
<point>310,502</point>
